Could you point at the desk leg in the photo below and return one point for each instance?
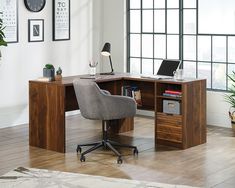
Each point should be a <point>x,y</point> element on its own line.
<point>47,116</point>
<point>121,125</point>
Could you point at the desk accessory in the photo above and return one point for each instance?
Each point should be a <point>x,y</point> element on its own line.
<point>58,76</point>
<point>49,72</point>
<point>92,65</point>
<point>178,74</point>
<point>106,51</point>
<point>35,6</point>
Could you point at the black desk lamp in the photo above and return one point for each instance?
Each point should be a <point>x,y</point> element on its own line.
<point>106,52</point>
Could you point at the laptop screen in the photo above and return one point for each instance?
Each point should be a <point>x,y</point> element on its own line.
<point>168,67</point>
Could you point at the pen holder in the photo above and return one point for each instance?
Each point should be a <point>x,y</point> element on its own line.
<point>178,74</point>
<point>92,70</point>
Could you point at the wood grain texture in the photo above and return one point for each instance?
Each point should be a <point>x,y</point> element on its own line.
<point>48,102</point>
<point>47,116</point>
<point>189,128</point>
<point>194,108</point>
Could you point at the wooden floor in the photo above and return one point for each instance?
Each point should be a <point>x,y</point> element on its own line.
<point>208,165</point>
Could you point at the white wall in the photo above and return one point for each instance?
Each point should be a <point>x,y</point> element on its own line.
<point>24,61</point>
<point>114,31</point>
<point>93,22</point>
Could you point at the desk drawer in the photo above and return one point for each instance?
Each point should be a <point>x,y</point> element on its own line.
<point>169,137</point>
<point>172,120</point>
<point>169,129</point>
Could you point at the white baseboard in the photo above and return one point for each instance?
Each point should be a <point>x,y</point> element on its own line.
<point>14,115</point>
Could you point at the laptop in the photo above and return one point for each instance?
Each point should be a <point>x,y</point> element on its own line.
<point>167,69</point>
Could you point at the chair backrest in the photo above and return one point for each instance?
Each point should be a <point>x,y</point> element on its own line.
<point>89,98</point>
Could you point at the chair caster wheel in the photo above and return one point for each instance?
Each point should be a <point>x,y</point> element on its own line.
<point>119,160</point>
<point>83,158</point>
<point>79,149</point>
<point>135,152</point>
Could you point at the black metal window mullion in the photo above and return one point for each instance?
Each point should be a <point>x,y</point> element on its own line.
<point>153,35</point>
<point>181,31</point>
<point>226,62</point>
<point>181,35</point>
<point>141,34</point>
<point>211,61</point>
<point>128,35</point>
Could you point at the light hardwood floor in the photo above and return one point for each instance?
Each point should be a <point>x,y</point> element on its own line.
<point>209,165</point>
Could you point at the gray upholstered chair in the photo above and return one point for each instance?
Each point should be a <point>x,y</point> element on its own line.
<point>97,104</point>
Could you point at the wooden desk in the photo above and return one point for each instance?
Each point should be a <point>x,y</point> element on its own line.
<point>48,102</point>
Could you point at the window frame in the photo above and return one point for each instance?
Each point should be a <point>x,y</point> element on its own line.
<point>181,35</point>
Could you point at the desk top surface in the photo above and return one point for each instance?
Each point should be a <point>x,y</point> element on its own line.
<point>118,76</point>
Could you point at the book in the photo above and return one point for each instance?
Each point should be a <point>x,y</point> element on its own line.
<point>172,95</point>
<point>132,91</point>
<point>137,97</point>
<point>44,79</point>
<point>173,92</point>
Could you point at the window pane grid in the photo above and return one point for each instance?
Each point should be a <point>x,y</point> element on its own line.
<point>176,36</point>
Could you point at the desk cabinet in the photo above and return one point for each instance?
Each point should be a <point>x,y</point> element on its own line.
<point>188,128</point>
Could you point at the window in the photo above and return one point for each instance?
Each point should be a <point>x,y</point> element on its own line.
<point>180,29</point>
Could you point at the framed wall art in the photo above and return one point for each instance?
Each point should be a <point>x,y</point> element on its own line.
<point>9,15</point>
<point>61,20</point>
<point>36,30</point>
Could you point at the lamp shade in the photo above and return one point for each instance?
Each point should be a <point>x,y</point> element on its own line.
<point>106,49</point>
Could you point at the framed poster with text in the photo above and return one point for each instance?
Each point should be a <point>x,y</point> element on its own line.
<point>61,20</point>
<point>9,9</point>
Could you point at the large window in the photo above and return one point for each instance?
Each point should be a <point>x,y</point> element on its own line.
<point>189,30</point>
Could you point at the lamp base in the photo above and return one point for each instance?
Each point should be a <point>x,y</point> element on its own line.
<point>107,73</point>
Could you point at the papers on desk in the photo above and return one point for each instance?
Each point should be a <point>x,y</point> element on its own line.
<point>157,77</point>
<point>44,79</point>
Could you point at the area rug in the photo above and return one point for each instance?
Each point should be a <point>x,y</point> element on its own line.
<point>40,178</point>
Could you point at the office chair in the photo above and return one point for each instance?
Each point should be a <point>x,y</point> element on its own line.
<point>97,104</point>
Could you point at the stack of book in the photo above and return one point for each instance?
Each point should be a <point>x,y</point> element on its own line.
<point>134,92</point>
<point>172,93</point>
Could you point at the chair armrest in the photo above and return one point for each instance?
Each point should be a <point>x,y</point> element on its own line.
<point>105,92</point>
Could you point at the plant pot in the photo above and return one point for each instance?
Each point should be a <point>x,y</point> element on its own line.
<point>233,125</point>
<point>49,73</point>
<point>58,77</point>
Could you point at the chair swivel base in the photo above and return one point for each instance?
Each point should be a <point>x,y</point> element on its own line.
<point>107,144</point>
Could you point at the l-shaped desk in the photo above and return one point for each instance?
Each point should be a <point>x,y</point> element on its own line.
<point>48,102</point>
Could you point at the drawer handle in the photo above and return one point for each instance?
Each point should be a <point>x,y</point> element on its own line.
<point>169,114</point>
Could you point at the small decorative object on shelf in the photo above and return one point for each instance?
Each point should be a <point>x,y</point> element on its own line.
<point>92,65</point>
<point>132,91</point>
<point>49,72</point>
<point>58,76</point>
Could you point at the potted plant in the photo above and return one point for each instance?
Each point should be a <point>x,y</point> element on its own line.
<point>230,98</point>
<point>2,36</point>
<point>58,76</point>
<point>49,71</point>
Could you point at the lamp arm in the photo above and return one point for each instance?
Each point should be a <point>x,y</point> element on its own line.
<point>111,64</point>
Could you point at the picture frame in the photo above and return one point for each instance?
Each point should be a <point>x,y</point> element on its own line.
<point>61,20</point>
<point>35,30</point>
<point>9,9</point>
